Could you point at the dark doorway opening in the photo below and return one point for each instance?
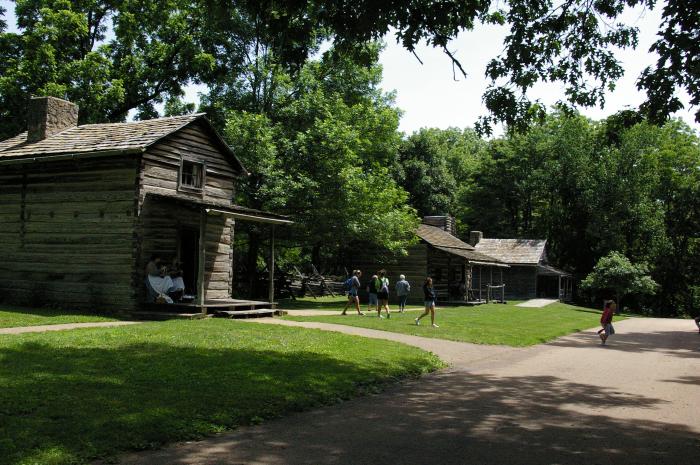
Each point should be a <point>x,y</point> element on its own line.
<point>548,287</point>
<point>189,257</point>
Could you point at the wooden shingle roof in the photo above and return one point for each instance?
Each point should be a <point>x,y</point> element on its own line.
<point>442,240</point>
<point>109,137</point>
<point>514,251</point>
<point>438,237</point>
<point>98,137</point>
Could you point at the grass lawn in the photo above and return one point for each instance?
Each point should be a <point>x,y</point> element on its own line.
<point>484,324</point>
<point>69,397</point>
<point>11,317</point>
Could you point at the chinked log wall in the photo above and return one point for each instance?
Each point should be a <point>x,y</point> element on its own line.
<point>414,266</point>
<point>66,230</point>
<point>162,220</point>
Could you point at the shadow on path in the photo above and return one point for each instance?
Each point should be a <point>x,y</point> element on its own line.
<point>683,344</point>
<point>457,418</point>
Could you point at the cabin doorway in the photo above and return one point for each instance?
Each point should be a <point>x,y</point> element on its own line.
<point>189,257</point>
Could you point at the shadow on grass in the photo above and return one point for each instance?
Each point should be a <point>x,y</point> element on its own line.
<point>309,304</point>
<point>69,404</point>
<point>457,418</point>
<point>681,344</point>
<point>56,312</point>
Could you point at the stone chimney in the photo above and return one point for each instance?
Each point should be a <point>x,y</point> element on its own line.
<point>47,116</point>
<point>445,222</point>
<point>475,237</point>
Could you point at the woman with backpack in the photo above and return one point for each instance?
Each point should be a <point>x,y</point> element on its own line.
<point>353,286</point>
<point>383,294</point>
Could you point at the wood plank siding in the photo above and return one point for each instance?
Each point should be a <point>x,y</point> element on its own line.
<point>66,229</point>
<point>161,166</point>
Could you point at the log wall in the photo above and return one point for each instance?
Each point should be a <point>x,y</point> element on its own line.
<point>448,272</point>
<point>414,266</point>
<point>66,230</point>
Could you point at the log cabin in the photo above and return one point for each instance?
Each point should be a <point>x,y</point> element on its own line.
<point>461,275</point>
<point>529,274</point>
<point>83,208</point>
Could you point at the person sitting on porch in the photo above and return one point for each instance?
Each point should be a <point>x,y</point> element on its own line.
<point>153,266</point>
<point>158,283</point>
<point>178,288</point>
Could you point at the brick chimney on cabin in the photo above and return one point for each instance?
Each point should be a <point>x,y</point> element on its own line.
<point>444,222</point>
<point>475,237</point>
<point>47,116</point>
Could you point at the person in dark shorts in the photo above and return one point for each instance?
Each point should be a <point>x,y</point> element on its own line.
<point>372,290</point>
<point>697,322</point>
<point>606,321</point>
<point>429,298</point>
<point>383,294</point>
<point>353,297</point>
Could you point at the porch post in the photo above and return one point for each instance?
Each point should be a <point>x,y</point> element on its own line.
<point>202,259</point>
<point>272,264</point>
<point>480,267</point>
<point>503,288</point>
<point>561,299</point>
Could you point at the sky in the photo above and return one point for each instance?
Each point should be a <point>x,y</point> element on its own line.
<point>429,96</point>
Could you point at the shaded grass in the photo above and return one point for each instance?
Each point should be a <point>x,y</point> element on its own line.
<point>12,317</point>
<point>328,303</point>
<point>484,324</point>
<point>68,397</point>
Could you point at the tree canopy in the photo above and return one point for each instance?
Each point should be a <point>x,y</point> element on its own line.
<point>589,187</point>
<point>119,56</point>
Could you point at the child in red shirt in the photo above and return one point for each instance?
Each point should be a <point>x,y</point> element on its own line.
<point>606,321</point>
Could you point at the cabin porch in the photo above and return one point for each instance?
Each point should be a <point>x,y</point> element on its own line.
<point>200,236</point>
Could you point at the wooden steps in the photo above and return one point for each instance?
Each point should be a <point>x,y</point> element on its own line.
<point>255,313</point>
<point>162,316</point>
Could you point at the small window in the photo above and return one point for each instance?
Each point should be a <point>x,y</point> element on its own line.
<point>192,175</point>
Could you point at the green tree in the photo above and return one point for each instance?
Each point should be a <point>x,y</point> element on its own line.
<point>119,56</point>
<point>616,273</point>
<point>321,152</point>
<point>432,164</point>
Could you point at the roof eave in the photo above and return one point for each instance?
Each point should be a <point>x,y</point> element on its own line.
<point>70,156</point>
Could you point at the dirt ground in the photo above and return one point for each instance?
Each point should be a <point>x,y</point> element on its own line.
<point>571,401</point>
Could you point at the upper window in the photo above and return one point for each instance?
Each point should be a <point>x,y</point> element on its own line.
<point>192,175</point>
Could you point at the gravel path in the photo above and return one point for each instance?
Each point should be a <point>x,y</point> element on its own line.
<point>570,401</point>
<point>537,303</point>
<point>63,327</point>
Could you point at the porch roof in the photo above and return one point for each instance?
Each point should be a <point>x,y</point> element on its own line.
<point>548,270</point>
<point>473,257</point>
<point>233,211</point>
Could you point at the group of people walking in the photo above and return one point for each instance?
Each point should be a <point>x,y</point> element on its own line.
<point>378,295</point>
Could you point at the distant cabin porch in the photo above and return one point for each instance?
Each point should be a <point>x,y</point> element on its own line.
<point>200,236</point>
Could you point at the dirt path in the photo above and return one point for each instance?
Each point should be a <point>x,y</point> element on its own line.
<point>537,303</point>
<point>571,401</point>
<point>63,327</point>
